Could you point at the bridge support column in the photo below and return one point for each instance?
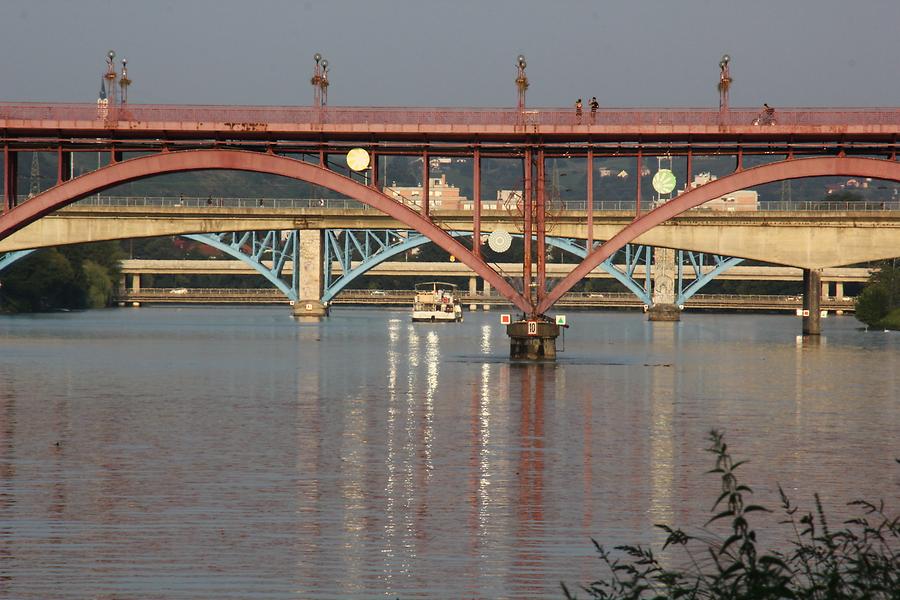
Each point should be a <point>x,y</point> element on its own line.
<point>838,290</point>
<point>473,290</point>
<point>136,282</point>
<point>487,294</point>
<point>10,177</point>
<point>812,296</point>
<point>312,268</point>
<point>532,340</point>
<point>664,274</point>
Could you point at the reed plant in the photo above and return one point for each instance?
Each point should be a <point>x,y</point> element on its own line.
<point>859,560</point>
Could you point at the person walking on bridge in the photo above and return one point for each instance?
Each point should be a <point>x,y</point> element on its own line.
<point>594,106</point>
<point>578,110</point>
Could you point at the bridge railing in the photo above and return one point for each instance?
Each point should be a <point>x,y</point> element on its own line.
<point>626,206</point>
<point>252,118</point>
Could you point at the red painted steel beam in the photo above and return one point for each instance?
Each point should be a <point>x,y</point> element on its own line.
<point>637,193</point>
<point>788,169</point>
<point>10,178</point>
<point>426,175</point>
<point>476,202</point>
<point>63,165</point>
<point>258,162</point>
<point>590,199</point>
<point>541,228</point>
<point>527,231</point>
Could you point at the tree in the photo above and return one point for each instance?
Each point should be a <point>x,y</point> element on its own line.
<point>41,281</point>
<point>881,297</point>
<point>80,276</point>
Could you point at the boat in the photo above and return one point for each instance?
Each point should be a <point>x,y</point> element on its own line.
<point>436,301</point>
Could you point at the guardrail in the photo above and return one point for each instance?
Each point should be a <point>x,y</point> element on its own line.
<point>256,118</point>
<point>405,298</point>
<point>624,206</point>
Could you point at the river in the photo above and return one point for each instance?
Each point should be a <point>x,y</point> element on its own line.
<point>234,453</point>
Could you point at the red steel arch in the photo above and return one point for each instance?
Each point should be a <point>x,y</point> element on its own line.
<point>196,160</point>
<point>779,171</point>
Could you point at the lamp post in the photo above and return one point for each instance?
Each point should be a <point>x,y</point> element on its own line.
<point>319,81</point>
<point>724,82</point>
<point>124,82</point>
<point>110,77</point>
<point>521,81</point>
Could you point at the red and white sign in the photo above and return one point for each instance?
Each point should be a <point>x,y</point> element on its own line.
<point>505,319</point>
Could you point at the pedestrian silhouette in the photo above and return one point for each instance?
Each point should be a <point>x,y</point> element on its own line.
<point>578,110</point>
<point>594,106</point>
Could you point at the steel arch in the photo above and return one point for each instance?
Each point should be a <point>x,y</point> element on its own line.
<point>281,253</point>
<point>794,168</point>
<point>272,274</point>
<point>722,264</point>
<point>195,160</point>
<point>385,249</point>
<point>9,258</point>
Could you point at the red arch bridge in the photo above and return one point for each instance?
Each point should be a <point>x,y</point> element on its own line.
<point>143,141</point>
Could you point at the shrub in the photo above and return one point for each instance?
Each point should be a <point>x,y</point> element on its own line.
<point>860,560</point>
<point>872,305</point>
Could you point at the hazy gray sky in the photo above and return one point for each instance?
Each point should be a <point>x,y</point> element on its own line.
<point>456,52</point>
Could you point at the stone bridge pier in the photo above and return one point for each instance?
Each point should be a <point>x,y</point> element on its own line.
<point>312,274</point>
<point>665,274</point>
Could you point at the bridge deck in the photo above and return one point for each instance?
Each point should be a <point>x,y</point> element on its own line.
<point>405,298</point>
<point>153,123</point>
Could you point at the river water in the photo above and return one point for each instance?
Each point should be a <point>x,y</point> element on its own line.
<point>234,453</point>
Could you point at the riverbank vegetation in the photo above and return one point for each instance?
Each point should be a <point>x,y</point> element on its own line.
<point>859,560</point>
<point>878,306</point>
<point>69,277</point>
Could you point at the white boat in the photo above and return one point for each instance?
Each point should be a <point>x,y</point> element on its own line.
<point>436,301</point>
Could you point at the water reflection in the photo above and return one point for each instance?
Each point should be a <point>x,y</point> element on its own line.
<point>529,558</point>
<point>662,394</point>
<point>220,453</point>
<point>7,486</point>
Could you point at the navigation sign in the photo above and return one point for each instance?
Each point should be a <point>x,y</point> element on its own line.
<point>560,319</point>
<point>499,240</point>
<point>358,159</point>
<point>532,327</point>
<point>505,319</point>
<point>664,181</point>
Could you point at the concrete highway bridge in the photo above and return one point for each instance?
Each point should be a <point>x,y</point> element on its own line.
<point>833,279</point>
<point>304,143</point>
<point>572,300</point>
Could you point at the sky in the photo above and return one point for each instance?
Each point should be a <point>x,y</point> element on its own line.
<point>628,53</point>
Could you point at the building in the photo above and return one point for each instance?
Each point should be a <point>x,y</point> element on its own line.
<point>740,200</point>
<point>441,195</point>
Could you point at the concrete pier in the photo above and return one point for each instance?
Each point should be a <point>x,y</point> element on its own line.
<point>812,297</point>
<point>312,277</point>
<point>532,340</point>
<point>665,274</point>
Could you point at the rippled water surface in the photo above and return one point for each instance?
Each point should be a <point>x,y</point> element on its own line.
<point>234,453</point>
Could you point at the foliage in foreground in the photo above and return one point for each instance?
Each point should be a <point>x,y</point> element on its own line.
<point>78,276</point>
<point>879,303</point>
<point>860,560</point>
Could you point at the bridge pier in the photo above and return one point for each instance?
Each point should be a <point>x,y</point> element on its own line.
<point>812,297</point>
<point>312,274</point>
<point>664,277</point>
<point>473,290</point>
<point>532,339</point>
<point>487,294</point>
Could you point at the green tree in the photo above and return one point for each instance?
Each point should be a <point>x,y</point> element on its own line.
<point>880,299</point>
<point>80,276</point>
<point>98,285</point>
<point>41,281</point>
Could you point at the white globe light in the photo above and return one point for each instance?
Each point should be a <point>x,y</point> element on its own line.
<point>499,241</point>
